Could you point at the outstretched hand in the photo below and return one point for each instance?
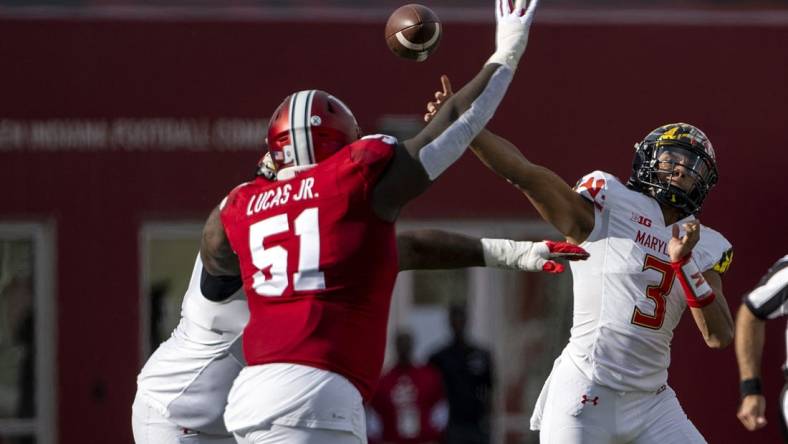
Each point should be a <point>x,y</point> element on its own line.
<point>511,32</point>
<point>681,246</point>
<point>530,256</point>
<point>440,98</point>
<point>559,250</point>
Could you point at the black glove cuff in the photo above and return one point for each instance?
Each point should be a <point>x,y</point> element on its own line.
<point>750,386</point>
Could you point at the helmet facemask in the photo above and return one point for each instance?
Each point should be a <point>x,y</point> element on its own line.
<point>675,164</point>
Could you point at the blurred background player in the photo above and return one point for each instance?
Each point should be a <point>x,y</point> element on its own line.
<point>467,373</point>
<point>409,405</point>
<point>650,258</point>
<point>317,253</point>
<point>769,300</point>
<point>182,389</point>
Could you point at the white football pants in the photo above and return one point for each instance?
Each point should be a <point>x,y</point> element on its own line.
<point>151,427</point>
<point>292,403</point>
<point>297,435</point>
<point>577,411</point>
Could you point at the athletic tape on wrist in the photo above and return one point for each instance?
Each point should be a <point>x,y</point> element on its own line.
<point>504,253</point>
<point>515,255</point>
<point>697,291</point>
<point>439,154</point>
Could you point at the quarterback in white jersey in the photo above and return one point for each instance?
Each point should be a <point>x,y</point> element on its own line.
<point>627,301</point>
<point>769,300</point>
<point>650,259</point>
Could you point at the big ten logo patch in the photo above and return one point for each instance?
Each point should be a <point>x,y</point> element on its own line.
<point>642,220</point>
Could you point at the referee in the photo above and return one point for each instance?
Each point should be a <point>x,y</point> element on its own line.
<point>768,300</point>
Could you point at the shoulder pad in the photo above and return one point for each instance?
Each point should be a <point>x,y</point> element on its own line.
<point>713,251</point>
<point>598,187</point>
<point>391,140</point>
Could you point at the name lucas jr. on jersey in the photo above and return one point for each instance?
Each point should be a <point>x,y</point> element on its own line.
<point>280,195</point>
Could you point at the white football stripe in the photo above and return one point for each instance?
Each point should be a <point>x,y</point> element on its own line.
<point>300,129</point>
<point>420,46</point>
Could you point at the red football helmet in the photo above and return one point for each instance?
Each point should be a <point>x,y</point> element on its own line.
<point>308,127</point>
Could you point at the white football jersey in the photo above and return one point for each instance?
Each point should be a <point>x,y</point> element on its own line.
<point>187,379</point>
<point>626,298</point>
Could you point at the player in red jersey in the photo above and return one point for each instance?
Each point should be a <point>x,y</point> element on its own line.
<point>409,404</point>
<point>182,390</point>
<point>317,254</point>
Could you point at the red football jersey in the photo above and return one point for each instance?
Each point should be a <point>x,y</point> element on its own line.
<point>318,265</point>
<point>406,400</point>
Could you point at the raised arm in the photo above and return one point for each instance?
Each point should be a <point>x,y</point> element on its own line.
<point>703,291</point>
<point>420,160</point>
<point>435,249</point>
<point>552,197</point>
<point>714,320</point>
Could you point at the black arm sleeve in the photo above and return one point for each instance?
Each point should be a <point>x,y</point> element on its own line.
<point>219,288</point>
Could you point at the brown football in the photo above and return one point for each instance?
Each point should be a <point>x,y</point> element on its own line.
<point>413,32</point>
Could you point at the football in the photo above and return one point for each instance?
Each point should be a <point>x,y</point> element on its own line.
<point>413,32</point>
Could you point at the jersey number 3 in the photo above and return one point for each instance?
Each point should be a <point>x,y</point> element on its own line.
<point>308,277</point>
<point>656,293</point>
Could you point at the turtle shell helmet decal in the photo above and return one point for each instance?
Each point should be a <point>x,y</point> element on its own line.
<point>660,154</point>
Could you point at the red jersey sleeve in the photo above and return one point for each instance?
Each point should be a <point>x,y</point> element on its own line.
<point>227,207</point>
<point>371,155</point>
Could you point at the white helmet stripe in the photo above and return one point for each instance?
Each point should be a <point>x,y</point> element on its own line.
<point>300,128</point>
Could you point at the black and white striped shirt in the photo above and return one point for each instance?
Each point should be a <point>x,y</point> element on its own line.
<point>769,299</point>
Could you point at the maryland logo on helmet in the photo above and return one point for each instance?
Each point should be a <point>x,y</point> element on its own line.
<point>686,142</point>
<point>683,134</point>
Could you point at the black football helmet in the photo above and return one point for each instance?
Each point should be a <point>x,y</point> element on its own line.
<point>658,155</point>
